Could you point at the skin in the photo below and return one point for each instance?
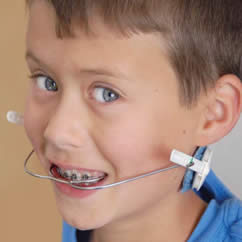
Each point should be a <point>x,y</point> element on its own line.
<point>129,136</point>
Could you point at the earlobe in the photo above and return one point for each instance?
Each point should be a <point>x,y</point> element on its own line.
<point>222,111</point>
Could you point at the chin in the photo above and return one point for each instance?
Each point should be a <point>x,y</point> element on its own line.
<point>83,221</point>
<point>83,225</point>
<point>83,215</point>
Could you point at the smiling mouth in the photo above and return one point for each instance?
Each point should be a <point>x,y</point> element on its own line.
<point>79,178</point>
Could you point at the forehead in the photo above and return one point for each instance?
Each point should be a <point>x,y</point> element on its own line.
<point>42,15</point>
<point>139,56</point>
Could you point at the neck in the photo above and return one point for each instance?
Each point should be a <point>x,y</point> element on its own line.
<point>173,220</point>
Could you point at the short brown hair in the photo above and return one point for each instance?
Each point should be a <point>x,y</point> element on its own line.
<point>204,37</point>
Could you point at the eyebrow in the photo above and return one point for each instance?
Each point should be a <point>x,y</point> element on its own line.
<point>84,71</point>
<point>31,56</point>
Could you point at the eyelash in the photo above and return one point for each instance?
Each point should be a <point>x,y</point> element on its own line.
<point>111,92</point>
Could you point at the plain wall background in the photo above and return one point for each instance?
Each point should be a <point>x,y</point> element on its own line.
<point>27,205</point>
<point>227,162</point>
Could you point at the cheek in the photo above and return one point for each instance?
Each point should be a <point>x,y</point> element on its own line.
<point>33,123</point>
<point>29,125</point>
<point>139,143</point>
<point>134,148</point>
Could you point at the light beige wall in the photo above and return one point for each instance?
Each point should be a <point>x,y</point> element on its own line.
<point>27,206</point>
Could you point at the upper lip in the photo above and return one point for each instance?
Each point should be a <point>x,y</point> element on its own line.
<point>65,166</point>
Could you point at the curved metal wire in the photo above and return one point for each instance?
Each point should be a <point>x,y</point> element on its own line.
<point>73,183</point>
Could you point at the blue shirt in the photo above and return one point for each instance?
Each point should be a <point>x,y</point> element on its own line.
<point>221,221</point>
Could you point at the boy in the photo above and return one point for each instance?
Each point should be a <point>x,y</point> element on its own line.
<point>115,87</point>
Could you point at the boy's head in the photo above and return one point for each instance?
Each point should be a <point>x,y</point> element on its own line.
<point>203,39</point>
<point>116,85</point>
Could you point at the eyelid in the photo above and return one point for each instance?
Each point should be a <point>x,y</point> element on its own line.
<point>35,75</point>
<point>108,86</point>
<point>110,89</point>
<point>105,87</point>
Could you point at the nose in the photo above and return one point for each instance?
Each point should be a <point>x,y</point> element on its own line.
<point>67,125</point>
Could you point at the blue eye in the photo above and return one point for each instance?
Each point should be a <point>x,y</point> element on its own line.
<point>45,83</point>
<point>105,95</point>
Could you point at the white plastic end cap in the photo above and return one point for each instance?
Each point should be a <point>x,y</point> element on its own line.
<point>14,117</point>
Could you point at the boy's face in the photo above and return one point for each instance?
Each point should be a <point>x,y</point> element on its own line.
<point>110,104</point>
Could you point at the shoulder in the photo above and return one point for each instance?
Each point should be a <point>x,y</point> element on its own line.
<point>233,218</point>
<point>221,222</point>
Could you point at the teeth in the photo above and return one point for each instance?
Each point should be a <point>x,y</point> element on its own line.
<point>67,174</point>
<point>75,175</point>
<point>86,176</point>
<point>96,174</point>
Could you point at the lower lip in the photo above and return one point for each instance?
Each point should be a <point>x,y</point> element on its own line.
<point>76,193</point>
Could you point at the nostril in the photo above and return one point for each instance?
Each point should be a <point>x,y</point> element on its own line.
<point>63,140</point>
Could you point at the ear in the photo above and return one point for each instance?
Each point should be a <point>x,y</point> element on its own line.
<point>221,111</point>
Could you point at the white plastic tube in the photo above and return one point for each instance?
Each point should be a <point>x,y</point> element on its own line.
<point>14,117</point>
